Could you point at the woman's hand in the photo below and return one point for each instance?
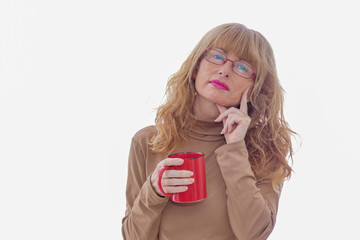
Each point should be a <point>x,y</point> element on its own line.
<point>172,181</point>
<point>236,121</point>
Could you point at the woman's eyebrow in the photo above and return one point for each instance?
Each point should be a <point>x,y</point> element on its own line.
<point>220,49</point>
<point>238,58</point>
<point>223,50</point>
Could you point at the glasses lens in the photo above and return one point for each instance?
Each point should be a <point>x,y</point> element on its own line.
<point>243,69</point>
<point>215,56</point>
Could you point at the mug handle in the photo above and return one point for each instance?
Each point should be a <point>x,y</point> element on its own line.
<point>160,174</point>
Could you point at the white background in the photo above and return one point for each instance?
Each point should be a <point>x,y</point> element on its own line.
<point>79,78</point>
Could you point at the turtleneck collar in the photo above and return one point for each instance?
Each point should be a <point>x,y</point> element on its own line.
<point>208,131</point>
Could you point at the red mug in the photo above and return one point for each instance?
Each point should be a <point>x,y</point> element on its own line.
<point>195,162</point>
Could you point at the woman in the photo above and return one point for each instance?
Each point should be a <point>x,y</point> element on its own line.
<point>226,102</point>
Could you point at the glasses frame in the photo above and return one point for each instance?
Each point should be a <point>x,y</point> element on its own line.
<point>253,74</point>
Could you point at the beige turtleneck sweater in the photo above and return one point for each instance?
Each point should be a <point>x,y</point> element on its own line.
<point>238,206</point>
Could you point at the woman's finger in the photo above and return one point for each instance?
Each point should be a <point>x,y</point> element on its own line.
<point>171,162</point>
<point>222,111</point>
<point>235,120</point>
<point>176,181</point>
<point>221,108</point>
<point>225,127</point>
<point>231,123</point>
<point>178,189</point>
<point>163,163</point>
<point>177,174</point>
<point>222,116</point>
<point>226,114</point>
<point>243,104</point>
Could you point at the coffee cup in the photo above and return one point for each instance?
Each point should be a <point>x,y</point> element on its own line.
<point>195,162</point>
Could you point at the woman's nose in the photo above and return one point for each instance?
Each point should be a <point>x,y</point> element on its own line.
<point>226,68</point>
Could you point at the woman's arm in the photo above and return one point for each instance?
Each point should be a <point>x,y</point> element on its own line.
<point>252,205</point>
<point>143,205</point>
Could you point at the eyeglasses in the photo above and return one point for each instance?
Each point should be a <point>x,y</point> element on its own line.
<point>240,67</point>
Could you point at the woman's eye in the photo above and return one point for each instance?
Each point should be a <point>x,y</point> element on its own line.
<point>242,68</point>
<point>218,57</point>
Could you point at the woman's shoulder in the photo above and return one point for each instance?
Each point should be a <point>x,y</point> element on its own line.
<point>144,134</point>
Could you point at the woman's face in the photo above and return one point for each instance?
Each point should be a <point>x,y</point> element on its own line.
<point>219,83</point>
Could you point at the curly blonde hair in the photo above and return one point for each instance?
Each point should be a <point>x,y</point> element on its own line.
<point>268,138</point>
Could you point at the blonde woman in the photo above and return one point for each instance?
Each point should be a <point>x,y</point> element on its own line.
<point>226,102</point>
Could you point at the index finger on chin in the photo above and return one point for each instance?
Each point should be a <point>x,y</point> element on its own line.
<point>244,100</point>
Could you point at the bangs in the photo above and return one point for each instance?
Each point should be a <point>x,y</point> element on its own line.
<point>238,40</point>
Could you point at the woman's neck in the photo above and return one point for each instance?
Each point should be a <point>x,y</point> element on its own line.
<point>205,110</point>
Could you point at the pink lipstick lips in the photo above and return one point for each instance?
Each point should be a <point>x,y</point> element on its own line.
<point>220,85</point>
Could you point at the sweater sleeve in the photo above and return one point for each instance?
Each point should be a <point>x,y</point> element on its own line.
<point>143,205</point>
<point>252,204</point>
